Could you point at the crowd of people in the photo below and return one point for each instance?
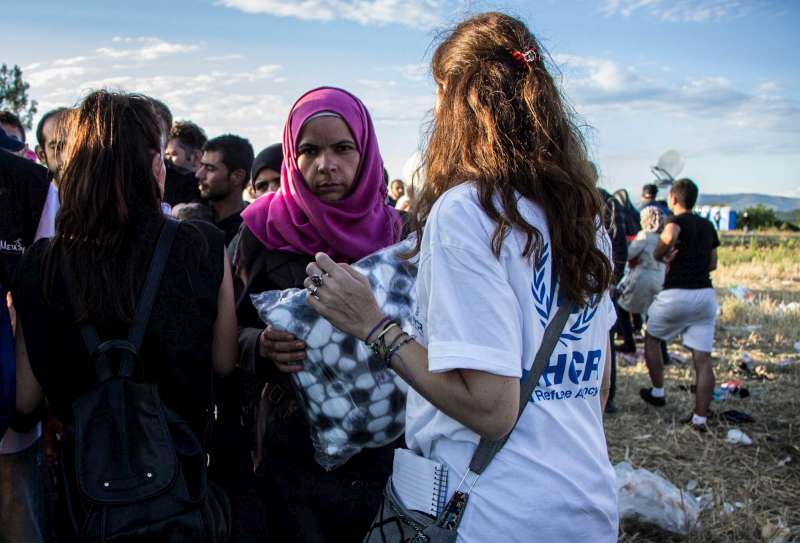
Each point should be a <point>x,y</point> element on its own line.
<point>129,253</point>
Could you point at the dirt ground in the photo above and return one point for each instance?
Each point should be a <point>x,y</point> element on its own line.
<point>753,491</point>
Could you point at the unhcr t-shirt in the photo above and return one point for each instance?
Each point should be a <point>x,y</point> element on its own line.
<point>552,481</point>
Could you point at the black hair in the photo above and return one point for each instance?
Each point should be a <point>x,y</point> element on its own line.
<point>46,117</point>
<point>650,190</point>
<point>685,191</point>
<point>6,117</point>
<point>190,135</point>
<point>237,153</point>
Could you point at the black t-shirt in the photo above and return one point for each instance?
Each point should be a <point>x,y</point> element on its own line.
<point>176,351</point>
<point>696,240</point>
<point>230,225</point>
<point>23,191</point>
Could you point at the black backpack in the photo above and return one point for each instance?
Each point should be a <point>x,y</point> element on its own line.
<point>133,469</point>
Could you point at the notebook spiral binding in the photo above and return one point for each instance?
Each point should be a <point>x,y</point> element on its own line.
<point>439,488</point>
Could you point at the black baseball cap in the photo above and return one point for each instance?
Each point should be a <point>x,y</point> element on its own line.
<point>650,190</point>
<point>10,144</point>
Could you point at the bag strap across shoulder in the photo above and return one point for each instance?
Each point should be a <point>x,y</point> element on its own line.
<point>487,449</point>
<point>144,307</point>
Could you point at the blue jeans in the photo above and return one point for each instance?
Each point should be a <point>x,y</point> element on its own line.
<point>22,495</point>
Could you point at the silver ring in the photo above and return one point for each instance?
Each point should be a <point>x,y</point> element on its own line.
<point>316,280</point>
<point>313,290</point>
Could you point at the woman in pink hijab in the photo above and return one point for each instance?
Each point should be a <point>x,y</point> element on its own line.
<point>332,199</point>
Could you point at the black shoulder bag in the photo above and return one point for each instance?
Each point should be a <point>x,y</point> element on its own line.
<point>133,469</point>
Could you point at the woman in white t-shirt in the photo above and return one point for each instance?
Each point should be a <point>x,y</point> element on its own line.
<point>508,230</point>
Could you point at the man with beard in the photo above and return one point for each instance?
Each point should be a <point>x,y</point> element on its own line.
<point>185,145</point>
<point>50,137</point>
<point>224,172</point>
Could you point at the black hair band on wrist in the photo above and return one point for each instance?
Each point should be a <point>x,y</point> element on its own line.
<point>397,340</point>
<point>393,351</point>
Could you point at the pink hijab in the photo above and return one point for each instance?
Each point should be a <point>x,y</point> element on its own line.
<point>294,219</point>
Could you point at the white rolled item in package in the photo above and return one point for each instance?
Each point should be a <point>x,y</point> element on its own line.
<point>349,399</point>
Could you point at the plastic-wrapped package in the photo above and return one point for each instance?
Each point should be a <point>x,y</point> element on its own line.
<point>650,498</point>
<point>349,401</point>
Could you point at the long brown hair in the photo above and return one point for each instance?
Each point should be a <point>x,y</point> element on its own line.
<point>503,125</point>
<point>108,192</point>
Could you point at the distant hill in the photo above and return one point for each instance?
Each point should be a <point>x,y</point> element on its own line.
<point>743,200</point>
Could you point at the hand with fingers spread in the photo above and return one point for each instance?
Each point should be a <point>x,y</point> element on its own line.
<point>283,349</point>
<point>342,295</point>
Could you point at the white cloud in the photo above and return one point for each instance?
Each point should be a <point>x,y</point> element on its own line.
<point>376,83</point>
<point>69,61</point>
<point>216,58</point>
<point>697,11</point>
<point>770,87</point>
<point>222,100</point>
<point>135,39</point>
<point>39,78</point>
<point>598,73</point>
<point>151,49</point>
<point>413,72</point>
<point>422,13</point>
<point>760,118</point>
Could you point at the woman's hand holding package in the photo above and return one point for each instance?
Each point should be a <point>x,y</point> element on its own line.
<point>342,295</point>
<point>283,349</point>
<point>485,403</point>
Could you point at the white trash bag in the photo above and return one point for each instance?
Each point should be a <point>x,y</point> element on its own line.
<point>645,496</point>
<point>349,401</point>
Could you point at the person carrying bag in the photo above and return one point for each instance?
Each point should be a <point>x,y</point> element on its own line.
<point>509,235</point>
<point>130,464</point>
<point>396,523</point>
<point>122,318</point>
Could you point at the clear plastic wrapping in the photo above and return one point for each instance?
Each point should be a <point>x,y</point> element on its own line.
<point>349,401</point>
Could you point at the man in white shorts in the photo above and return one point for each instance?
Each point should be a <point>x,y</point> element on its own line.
<point>687,306</point>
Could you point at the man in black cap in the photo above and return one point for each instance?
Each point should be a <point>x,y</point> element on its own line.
<point>649,193</point>
<point>265,176</point>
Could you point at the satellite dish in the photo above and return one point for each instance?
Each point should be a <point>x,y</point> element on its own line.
<point>671,162</point>
<point>669,166</point>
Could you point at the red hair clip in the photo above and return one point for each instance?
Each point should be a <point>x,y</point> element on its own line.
<point>527,57</point>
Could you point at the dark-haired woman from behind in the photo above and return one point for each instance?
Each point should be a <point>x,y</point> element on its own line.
<point>106,232</point>
<point>509,230</point>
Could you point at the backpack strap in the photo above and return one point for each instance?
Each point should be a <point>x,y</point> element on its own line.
<point>487,449</point>
<point>130,347</point>
<point>155,272</point>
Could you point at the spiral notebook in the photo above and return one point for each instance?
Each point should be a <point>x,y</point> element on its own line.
<point>420,483</point>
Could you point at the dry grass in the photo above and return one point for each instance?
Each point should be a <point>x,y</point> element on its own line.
<point>759,477</point>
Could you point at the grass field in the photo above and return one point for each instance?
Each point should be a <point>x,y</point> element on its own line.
<point>754,490</point>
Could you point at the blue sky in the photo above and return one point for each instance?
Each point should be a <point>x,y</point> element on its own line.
<point>717,80</point>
